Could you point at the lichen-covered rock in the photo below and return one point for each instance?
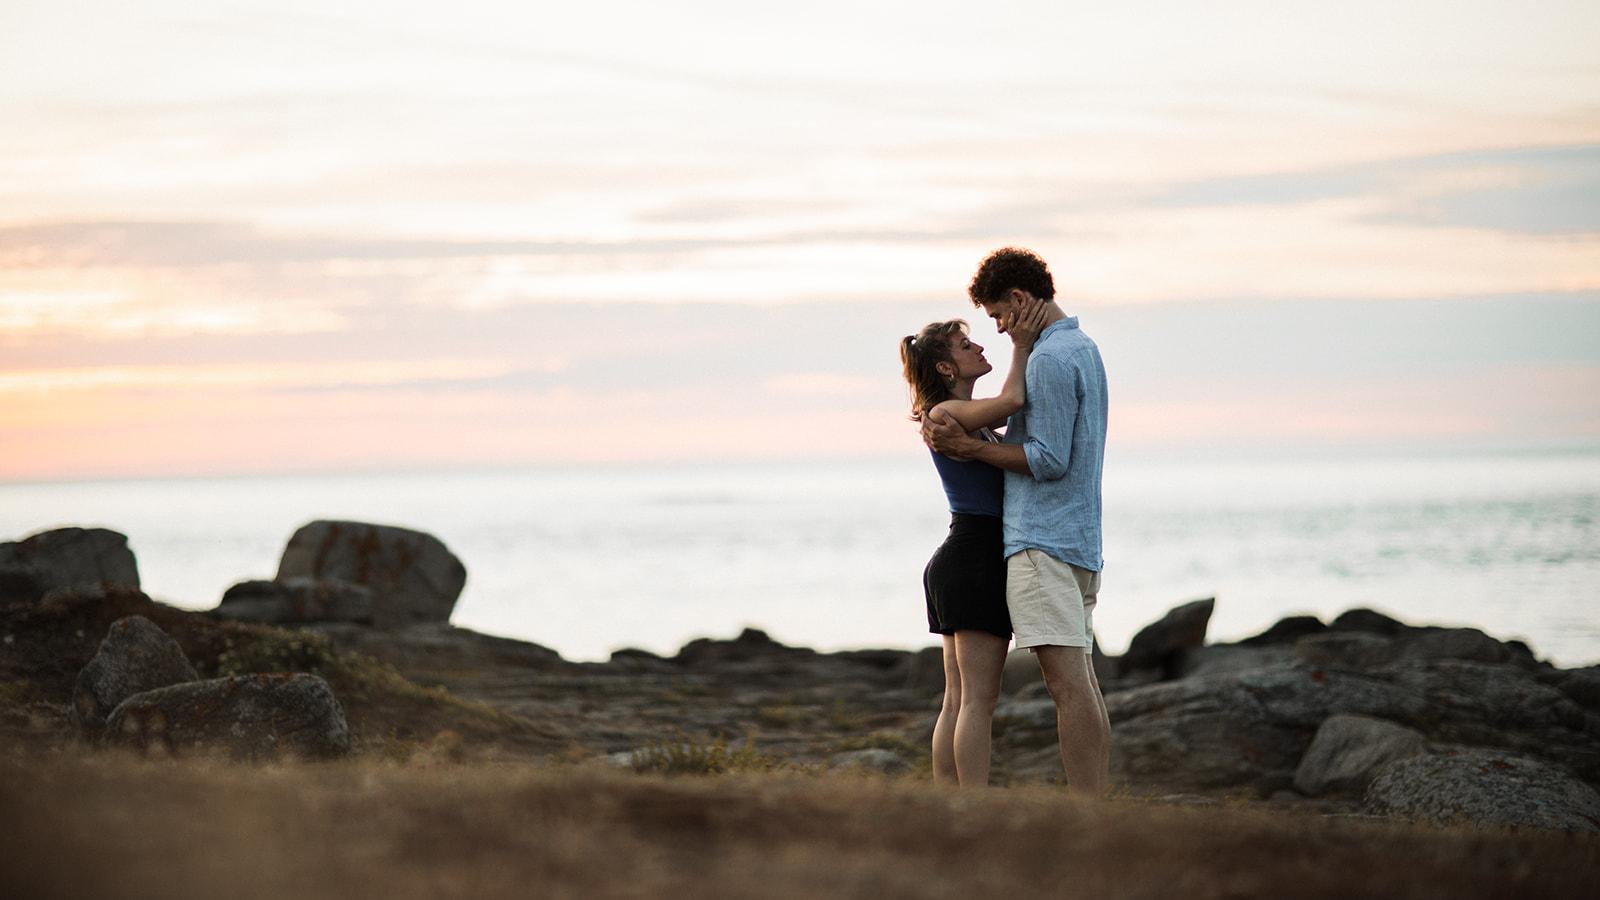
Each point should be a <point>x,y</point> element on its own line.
<point>246,717</point>
<point>296,601</point>
<point>413,576</point>
<point>1161,644</point>
<point>1348,751</point>
<point>1486,789</point>
<point>69,558</point>
<point>136,656</point>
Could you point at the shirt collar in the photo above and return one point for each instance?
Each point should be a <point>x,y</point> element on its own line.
<point>1064,324</point>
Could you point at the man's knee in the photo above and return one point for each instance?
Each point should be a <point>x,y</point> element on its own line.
<point>1066,673</point>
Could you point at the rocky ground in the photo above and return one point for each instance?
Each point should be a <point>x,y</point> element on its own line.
<point>349,653</point>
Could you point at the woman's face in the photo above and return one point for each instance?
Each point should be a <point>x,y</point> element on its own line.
<point>968,357</point>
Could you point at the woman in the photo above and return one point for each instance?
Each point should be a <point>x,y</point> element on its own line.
<point>965,582</point>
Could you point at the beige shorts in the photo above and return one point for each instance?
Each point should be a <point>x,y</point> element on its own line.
<point>1051,602</point>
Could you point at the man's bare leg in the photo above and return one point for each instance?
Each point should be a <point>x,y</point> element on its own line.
<point>1100,699</point>
<point>1081,723</point>
<point>981,657</point>
<point>944,730</point>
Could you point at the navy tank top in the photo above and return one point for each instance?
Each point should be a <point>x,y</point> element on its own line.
<point>972,487</point>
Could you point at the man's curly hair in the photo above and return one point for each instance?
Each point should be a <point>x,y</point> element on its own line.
<point>1008,268</point>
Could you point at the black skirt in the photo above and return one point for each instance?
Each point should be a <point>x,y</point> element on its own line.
<point>965,582</point>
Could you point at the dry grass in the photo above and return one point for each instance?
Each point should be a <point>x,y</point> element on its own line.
<point>112,826</point>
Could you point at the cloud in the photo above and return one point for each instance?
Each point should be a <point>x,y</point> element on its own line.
<point>1526,190</point>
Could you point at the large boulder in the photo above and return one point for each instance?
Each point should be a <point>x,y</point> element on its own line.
<point>1161,645</point>
<point>67,558</point>
<point>1504,707</point>
<point>1486,789</point>
<point>413,576</point>
<point>1252,727</point>
<point>297,600</point>
<point>245,716</point>
<point>1349,750</point>
<point>1237,729</point>
<point>136,656</point>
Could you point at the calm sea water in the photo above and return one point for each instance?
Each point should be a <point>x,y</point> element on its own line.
<point>587,560</point>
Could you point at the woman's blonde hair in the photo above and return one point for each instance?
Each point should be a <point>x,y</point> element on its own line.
<point>921,354</point>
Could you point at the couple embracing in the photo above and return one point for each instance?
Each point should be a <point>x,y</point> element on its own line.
<point>1023,554</point>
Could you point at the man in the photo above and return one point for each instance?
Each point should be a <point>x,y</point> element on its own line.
<point>1052,456</point>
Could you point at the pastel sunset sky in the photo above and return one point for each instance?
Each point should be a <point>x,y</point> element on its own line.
<point>257,237</point>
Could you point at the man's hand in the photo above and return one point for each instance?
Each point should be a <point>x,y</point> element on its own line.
<point>944,435</point>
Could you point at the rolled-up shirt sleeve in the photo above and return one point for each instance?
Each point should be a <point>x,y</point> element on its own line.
<point>1052,415</point>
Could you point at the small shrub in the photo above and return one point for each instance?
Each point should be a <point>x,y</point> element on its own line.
<point>275,650</point>
<point>683,755</point>
<point>781,716</point>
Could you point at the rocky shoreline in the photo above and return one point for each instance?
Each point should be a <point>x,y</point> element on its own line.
<point>349,650</point>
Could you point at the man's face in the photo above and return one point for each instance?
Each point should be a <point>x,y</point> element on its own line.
<point>999,310</point>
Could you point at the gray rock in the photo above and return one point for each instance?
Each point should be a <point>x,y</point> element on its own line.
<point>1485,789</point>
<point>1355,651</point>
<point>1032,713</point>
<point>1369,621</point>
<point>1214,659</point>
<point>246,716</point>
<point>1238,729</point>
<point>752,644</point>
<point>1287,630</point>
<point>68,558</point>
<point>429,648</point>
<point>135,656</point>
<point>1504,707</point>
<point>1582,686</point>
<point>21,584</point>
<point>885,762</point>
<point>297,600</point>
<point>925,674</point>
<point>1161,644</point>
<point>413,576</point>
<point>1021,670</point>
<point>1349,750</point>
<point>1455,643</point>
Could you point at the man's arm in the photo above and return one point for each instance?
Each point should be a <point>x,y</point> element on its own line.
<point>945,436</point>
<point>1053,415</point>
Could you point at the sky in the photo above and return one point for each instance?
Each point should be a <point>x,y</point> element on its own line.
<point>242,237</point>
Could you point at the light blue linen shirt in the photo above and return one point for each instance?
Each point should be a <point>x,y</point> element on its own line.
<point>1062,429</point>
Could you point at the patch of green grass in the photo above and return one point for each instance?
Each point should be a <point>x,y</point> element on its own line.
<point>685,755</point>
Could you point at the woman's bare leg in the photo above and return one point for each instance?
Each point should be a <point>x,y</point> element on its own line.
<point>981,658</point>
<point>944,730</point>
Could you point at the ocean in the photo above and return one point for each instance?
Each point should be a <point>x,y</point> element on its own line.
<point>587,560</point>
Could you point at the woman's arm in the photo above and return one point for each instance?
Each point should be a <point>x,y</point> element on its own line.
<point>1024,326</point>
